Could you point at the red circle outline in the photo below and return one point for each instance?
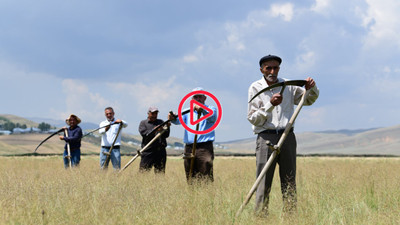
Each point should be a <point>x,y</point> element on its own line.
<point>216,122</point>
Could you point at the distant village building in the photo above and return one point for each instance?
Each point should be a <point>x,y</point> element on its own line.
<point>18,130</point>
<point>5,132</point>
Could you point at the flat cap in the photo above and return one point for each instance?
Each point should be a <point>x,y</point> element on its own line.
<point>269,58</point>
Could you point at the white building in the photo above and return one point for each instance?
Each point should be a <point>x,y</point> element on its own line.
<point>5,132</point>
<point>18,130</point>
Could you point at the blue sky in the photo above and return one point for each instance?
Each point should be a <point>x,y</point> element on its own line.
<point>62,57</point>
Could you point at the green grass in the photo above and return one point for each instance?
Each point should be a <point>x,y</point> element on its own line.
<point>38,190</point>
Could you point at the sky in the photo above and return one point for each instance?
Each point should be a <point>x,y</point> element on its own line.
<point>63,57</point>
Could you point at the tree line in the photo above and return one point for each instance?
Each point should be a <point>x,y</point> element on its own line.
<point>6,124</point>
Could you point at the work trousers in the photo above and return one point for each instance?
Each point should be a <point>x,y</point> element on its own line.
<point>75,158</point>
<point>203,161</point>
<point>287,170</point>
<point>156,158</point>
<point>115,158</point>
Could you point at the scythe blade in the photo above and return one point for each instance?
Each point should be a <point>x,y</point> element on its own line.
<point>281,84</point>
<point>51,135</point>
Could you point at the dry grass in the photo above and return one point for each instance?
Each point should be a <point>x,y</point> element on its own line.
<point>37,190</point>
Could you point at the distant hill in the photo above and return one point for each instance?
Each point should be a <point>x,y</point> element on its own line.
<point>346,131</point>
<point>20,120</point>
<point>380,141</point>
<point>61,123</point>
<point>376,141</point>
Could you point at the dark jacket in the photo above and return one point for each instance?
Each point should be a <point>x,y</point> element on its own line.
<point>74,138</point>
<point>145,129</point>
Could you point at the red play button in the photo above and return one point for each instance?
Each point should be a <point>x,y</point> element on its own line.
<point>210,112</point>
<point>194,102</point>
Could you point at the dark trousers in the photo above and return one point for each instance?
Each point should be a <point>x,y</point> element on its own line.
<point>75,158</point>
<point>287,170</point>
<point>156,158</point>
<point>203,161</point>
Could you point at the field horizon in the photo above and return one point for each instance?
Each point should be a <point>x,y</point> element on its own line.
<point>384,141</point>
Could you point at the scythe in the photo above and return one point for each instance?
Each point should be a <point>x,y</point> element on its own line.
<point>276,149</point>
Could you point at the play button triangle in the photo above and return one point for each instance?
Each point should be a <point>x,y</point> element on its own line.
<point>194,102</point>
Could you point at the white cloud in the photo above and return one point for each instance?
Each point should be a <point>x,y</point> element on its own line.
<point>234,40</point>
<point>190,58</point>
<point>81,101</point>
<point>29,93</point>
<point>306,60</point>
<point>234,37</point>
<point>383,23</point>
<point>195,56</point>
<point>161,93</point>
<point>387,69</point>
<point>283,10</point>
<point>320,5</point>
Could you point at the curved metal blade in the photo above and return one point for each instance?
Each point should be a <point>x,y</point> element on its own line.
<point>51,135</point>
<point>285,83</point>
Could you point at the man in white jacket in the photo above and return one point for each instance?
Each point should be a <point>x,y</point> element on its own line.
<point>269,114</point>
<point>109,135</point>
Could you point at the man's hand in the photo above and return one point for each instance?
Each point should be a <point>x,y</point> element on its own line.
<point>171,117</point>
<point>276,99</point>
<point>116,121</point>
<point>65,130</point>
<point>310,83</point>
<point>107,127</point>
<point>198,108</point>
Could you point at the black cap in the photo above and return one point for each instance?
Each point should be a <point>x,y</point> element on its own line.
<point>269,58</point>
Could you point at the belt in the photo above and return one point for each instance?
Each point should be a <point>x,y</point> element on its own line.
<point>276,131</point>
<point>115,147</point>
<point>199,144</point>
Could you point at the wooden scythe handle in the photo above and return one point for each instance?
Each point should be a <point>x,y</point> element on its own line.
<point>68,149</point>
<point>112,146</point>
<point>274,153</point>
<point>143,149</point>
<point>194,149</point>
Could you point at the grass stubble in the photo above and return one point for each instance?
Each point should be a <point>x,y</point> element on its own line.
<point>38,190</point>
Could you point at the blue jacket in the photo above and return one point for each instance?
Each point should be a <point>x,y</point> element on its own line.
<point>188,137</point>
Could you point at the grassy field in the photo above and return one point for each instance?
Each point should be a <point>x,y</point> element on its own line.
<point>38,190</point>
